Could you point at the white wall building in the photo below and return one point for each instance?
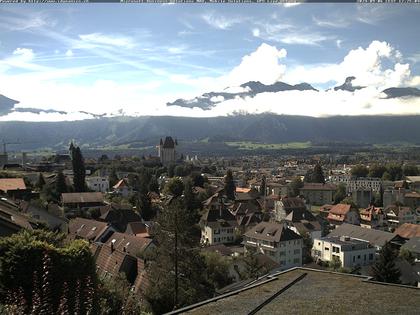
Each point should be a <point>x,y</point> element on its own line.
<point>98,183</point>
<point>351,252</point>
<point>364,183</point>
<point>276,241</point>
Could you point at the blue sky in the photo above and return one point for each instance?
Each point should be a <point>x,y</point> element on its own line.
<point>113,58</point>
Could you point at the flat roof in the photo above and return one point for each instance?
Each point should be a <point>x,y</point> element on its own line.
<point>318,292</point>
<point>338,241</point>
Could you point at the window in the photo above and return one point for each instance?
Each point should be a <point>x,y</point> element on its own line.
<point>216,231</point>
<point>358,256</point>
<point>296,251</point>
<point>370,256</point>
<point>326,248</point>
<point>336,249</point>
<point>354,258</point>
<point>282,253</point>
<point>296,260</point>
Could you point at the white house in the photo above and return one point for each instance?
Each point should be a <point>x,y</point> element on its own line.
<point>276,241</point>
<point>98,183</point>
<point>351,252</point>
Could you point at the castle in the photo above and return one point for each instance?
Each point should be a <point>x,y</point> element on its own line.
<point>166,150</point>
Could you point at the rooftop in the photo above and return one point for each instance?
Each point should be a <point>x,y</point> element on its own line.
<point>408,230</point>
<point>347,294</point>
<point>12,184</point>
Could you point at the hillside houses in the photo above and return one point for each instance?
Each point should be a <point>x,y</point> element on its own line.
<point>277,242</point>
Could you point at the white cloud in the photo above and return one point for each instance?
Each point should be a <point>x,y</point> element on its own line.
<point>290,35</point>
<point>290,4</point>
<point>219,21</point>
<point>366,64</point>
<point>108,40</point>
<point>26,54</point>
<point>69,53</point>
<point>261,65</point>
<point>376,66</point>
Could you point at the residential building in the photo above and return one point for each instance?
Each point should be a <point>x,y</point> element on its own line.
<point>351,252</point>
<point>166,150</point>
<point>303,222</point>
<point>318,194</point>
<point>408,230</point>
<point>412,199</point>
<point>277,189</point>
<point>343,213</point>
<point>370,183</point>
<point>277,242</point>
<point>375,237</point>
<point>122,188</point>
<point>89,230</point>
<point>54,222</point>
<point>393,195</point>
<point>218,224</point>
<point>371,218</point>
<point>82,200</point>
<point>14,187</point>
<point>362,197</point>
<point>12,221</point>
<point>285,205</point>
<point>397,215</point>
<point>414,182</point>
<point>98,183</point>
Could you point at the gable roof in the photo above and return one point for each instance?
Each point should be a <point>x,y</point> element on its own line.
<point>300,214</point>
<point>293,202</point>
<point>90,230</point>
<point>375,237</point>
<point>7,184</point>
<point>408,230</point>
<point>129,244</point>
<point>274,232</point>
<point>83,197</point>
<point>340,209</point>
<point>135,228</point>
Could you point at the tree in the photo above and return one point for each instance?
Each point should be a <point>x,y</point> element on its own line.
<point>295,186</point>
<point>217,269</point>
<point>154,185</point>
<point>174,187</point>
<point>359,170</point>
<point>253,268</point>
<point>229,185</point>
<point>384,269</point>
<point>307,248</point>
<point>407,255</point>
<point>340,194</point>
<point>113,178</point>
<point>410,170</point>
<point>171,170</point>
<point>178,273</point>
<point>376,170</point>
<point>316,175</point>
<point>79,171</point>
<point>60,184</point>
<point>37,267</point>
<point>263,187</point>
<point>41,182</point>
<point>395,171</point>
<point>144,206</point>
<point>335,263</point>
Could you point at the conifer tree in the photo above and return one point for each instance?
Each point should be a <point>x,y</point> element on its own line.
<point>384,269</point>
<point>60,184</point>
<point>229,185</point>
<point>177,275</point>
<point>79,171</point>
<point>41,182</point>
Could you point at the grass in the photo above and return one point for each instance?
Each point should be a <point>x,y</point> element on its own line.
<point>249,145</point>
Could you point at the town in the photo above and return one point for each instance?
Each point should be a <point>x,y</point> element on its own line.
<point>173,232</point>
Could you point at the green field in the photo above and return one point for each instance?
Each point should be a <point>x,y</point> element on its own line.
<point>248,145</point>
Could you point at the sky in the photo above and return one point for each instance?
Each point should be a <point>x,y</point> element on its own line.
<point>132,59</point>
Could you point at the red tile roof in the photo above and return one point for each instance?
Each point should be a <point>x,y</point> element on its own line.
<point>12,184</point>
<point>340,209</point>
<point>408,230</point>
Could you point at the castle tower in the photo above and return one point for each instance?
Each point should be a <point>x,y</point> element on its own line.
<point>166,150</point>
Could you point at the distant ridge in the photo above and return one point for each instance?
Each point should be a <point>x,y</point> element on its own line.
<point>266,128</point>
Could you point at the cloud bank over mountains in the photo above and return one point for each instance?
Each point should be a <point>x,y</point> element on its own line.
<point>357,85</point>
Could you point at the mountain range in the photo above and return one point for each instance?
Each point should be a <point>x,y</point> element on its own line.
<point>208,100</point>
<point>264,128</point>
